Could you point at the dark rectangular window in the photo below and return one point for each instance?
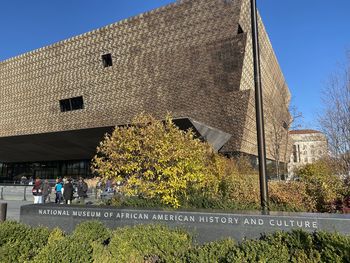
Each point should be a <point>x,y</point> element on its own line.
<point>107,60</point>
<point>65,105</point>
<point>70,104</point>
<point>77,103</point>
<point>295,157</point>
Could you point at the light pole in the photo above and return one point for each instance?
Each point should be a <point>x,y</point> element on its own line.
<point>259,111</point>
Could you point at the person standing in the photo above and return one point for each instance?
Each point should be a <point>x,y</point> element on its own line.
<point>82,189</point>
<point>46,191</point>
<point>58,190</point>
<point>37,191</point>
<point>68,191</point>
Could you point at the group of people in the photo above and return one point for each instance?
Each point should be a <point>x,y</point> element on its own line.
<point>106,188</point>
<point>64,190</point>
<point>24,180</point>
<point>41,191</point>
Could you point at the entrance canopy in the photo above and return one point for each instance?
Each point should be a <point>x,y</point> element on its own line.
<point>81,144</point>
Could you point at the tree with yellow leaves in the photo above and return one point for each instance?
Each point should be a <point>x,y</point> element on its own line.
<point>153,159</point>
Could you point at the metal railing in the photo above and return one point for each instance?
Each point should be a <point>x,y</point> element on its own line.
<point>15,192</point>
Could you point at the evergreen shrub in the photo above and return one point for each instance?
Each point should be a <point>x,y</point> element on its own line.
<point>157,243</point>
<point>77,247</point>
<point>213,252</point>
<point>138,243</point>
<point>20,243</point>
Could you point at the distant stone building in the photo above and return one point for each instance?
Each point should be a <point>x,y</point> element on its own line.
<point>192,58</point>
<point>308,147</point>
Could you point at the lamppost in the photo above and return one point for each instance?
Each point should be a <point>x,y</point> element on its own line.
<point>259,111</point>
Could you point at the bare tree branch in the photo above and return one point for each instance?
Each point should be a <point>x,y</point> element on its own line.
<point>335,120</point>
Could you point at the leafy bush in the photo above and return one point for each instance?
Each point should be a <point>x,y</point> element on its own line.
<point>258,251</point>
<point>237,184</point>
<point>322,185</point>
<point>77,247</point>
<point>65,250</point>
<point>290,196</point>
<point>212,252</point>
<point>134,201</point>
<point>295,246</point>
<point>332,246</point>
<point>153,159</point>
<point>20,243</point>
<point>91,231</point>
<point>299,243</point>
<point>101,253</point>
<point>56,236</point>
<point>11,230</point>
<point>160,165</point>
<point>232,185</point>
<point>135,244</point>
<point>156,243</point>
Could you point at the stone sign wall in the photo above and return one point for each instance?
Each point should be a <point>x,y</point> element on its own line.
<point>206,225</point>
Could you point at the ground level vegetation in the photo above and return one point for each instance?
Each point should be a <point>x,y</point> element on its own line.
<point>92,242</point>
<point>158,165</point>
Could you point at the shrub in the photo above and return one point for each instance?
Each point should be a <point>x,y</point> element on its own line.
<point>258,251</point>
<point>159,165</point>
<point>20,243</point>
<point>229,186</point>
<point>322,185</point>
<point>156,243</point>
<point>56,236</point>
<point>332,246</point>
<point>101,253</point>
<point>90,231</point>
<point>77,247</point>
<point>134,244</point>
<point>299,243</point>
<point>290,196</point>
<point>212,252</point>
<point>225,187</point>
<point>11,230</point>
<point>153,159</point>
<point>134,201</point>
<point>295,246</point>
<point>65,250</point>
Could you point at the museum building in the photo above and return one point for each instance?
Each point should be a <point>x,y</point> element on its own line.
<point>192,58</point>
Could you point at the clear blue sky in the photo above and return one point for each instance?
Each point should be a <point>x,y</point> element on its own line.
<point>310,37</point>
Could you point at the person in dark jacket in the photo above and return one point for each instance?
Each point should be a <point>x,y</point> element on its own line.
<point>82,189</point>
<point>46,191</point>
<point>38,192</point>
<point>68,191</point>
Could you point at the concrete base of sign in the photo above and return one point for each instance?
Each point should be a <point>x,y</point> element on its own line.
<point>206,225</point>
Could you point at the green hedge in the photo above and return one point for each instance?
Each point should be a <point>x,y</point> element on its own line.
<point>20,243</point>
<point>92,242</point>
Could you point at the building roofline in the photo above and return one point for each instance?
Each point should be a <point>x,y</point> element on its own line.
<point>305,131</point>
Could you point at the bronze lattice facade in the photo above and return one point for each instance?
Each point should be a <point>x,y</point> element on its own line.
<point>192,58</point>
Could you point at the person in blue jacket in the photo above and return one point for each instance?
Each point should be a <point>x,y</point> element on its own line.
<point>58,190</point>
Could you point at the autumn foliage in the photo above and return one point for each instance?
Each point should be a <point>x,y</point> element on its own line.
<point>153,159</point>
<point>159,164</point>
<point>321,184</point>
